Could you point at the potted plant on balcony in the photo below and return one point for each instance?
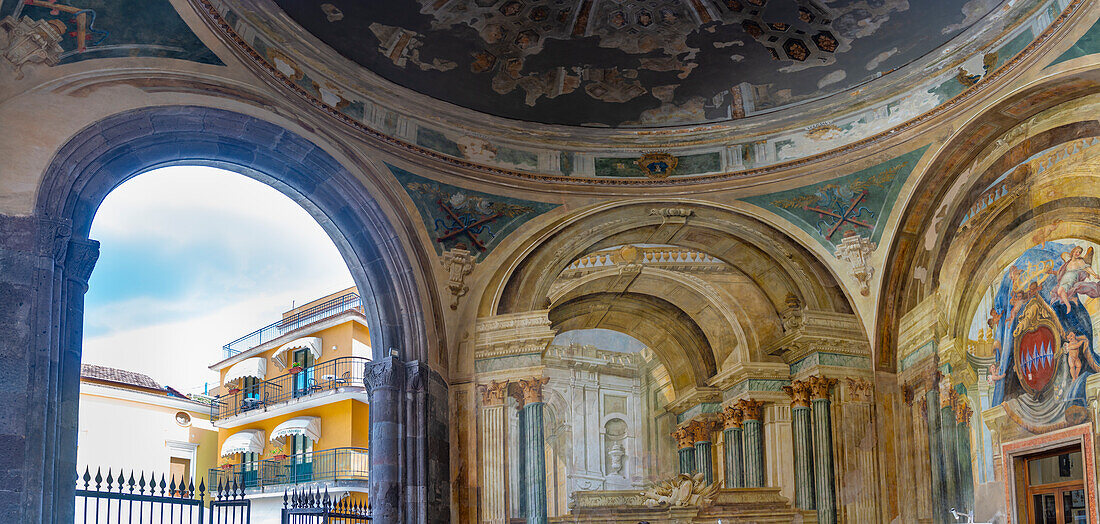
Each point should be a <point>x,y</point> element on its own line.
<point>279,454</point>
<point>295,369</point>
<point>225,464</point>
<point>234,390</point>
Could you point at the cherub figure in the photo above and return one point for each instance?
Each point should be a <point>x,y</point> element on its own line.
<point>1074,346</point>
<point>1073,277</point>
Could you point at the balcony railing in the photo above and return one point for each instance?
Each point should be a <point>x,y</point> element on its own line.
<point>326,376</point>
<point>337,465</point>
<point>330,308</point>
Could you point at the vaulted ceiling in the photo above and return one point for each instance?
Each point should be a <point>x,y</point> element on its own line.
<point>623,63</point>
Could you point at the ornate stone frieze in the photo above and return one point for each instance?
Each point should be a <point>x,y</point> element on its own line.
<point>493,393</point>
<point>799,392</point>
<point>792,316</point>
<point>591,358</point>
<point>752,409</point>
<point>26,41</point>
<point>856,251</point>
<point>513,334</point>
<point>813,331</point>
<point>458,263</point>
<point>859,389</point>
<point>820,387</point>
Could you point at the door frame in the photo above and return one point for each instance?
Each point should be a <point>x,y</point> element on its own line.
<point>1013,453</point>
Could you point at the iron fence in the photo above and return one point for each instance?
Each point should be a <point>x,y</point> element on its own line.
<point>336,465</point>
<point>133,499</point>
<point>310,506</point>
<point>230,505</point>
<point>337,305</point>
<point>326,376</point>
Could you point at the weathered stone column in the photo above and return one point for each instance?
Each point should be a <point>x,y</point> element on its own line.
<point>685,449</point>
<point>700,432</point>
<point>823,449</point>
<point>491,446</point>
<point>803,444</point>
<point>534,448</point>
<point>735,471</point>
<point>753,442</point>
<point>949,444</point>
<point>385,378</point>
<point>966,470</point>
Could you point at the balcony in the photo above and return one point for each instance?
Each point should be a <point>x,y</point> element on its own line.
<point>335,374</point>
<point>339,466</point>
<point>331,308</point>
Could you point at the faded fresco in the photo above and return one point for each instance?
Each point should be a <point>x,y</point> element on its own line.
<point>1038,321</point>
<point>74,30</point>
<point>634,63</point>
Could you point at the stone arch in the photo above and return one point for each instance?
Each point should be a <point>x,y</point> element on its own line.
<point>105,154</point>
<point>1035,117</point>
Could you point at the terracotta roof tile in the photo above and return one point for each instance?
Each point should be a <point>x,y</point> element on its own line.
<point>119,376</point>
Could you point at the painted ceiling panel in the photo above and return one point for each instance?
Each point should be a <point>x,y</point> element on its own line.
<point>633,63</point>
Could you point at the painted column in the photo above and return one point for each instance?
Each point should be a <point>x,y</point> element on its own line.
<point>824,481</point>
<point>803,444</point>
<point>685,446</point>
<point>534,449</point>
<point>385,378</point>
<point>700,432</point>
<point>491,446</point>
<point>929,406</point>
<point>950,445</point>
<point>753,426</point>
<point>966,472</point>
<point>735,472</point>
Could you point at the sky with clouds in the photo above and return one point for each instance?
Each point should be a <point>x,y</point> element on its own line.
<point>192,258</point>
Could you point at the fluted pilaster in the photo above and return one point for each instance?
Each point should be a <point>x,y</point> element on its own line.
<point>700,432</point>
<point>801,430</point>
<point>731,435</point>
<point>966,471</point>
<point>492,422</point>
<point>753,426</point>
<point>950,444</point>
<point>824,482</point>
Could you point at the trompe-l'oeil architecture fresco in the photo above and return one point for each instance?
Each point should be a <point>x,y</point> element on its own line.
<point>615,262</point>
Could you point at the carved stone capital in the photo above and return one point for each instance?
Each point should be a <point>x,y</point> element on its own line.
<point>859,389</point>
<point>684,438</point>
<point>80,259</point>
<point>820,387</point>
<point>388,372</point>
<point>752,409</point>
<point>732,417</point>
<point>529,389</point>
<point>492,394</point>
<point>799,391</point>
<point>963,411</point>
<point>700,430</point>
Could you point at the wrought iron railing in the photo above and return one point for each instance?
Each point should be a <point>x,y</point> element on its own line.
<point>340,304</point>
<point>118,497</point>
<point>326,376</point>
<point>311,506</point>
<point>337,465</point>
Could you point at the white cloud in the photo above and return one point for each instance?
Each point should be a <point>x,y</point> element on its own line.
<point>230,254</point>
<point>880,58</point>
<point>832,78</point>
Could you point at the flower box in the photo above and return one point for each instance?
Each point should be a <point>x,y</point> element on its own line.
<point>226,466</point>
<point>295,369</point>
<point>279,457</point>
<point>234,391</point>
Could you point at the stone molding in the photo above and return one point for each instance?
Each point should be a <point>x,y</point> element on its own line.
<point>740,372</point>
<point>820,387</point>
<point>493,393</point>
<point>813,331</point>
<point>694,397</point>
<point>799,392</point>
<point>752,410</point>
<point>918,327</point>
<point>591,358</point>
<point>512,334</point>
<point>858,389</point>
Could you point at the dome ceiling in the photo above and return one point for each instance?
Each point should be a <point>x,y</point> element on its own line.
<point>633,63</point>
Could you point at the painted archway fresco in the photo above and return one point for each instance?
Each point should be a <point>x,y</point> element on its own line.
<point>1036,325</point>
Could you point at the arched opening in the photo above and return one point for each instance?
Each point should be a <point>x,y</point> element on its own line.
<point>61,255</point>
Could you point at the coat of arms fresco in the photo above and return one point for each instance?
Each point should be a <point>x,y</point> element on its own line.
<point>1039,319</point>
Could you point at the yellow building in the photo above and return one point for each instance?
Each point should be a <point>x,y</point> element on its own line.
<point>292,409</point>
<point>166,433</point>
